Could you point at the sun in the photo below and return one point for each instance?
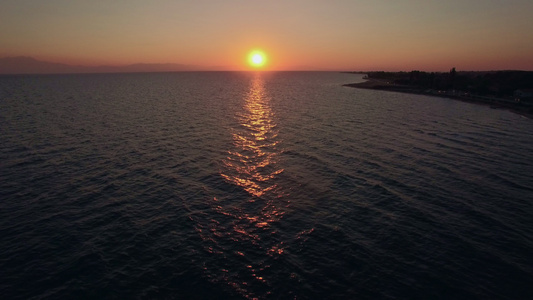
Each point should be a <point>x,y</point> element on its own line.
<point>257,59</point>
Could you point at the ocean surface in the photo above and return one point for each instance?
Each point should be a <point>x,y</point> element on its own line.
<point>276,185</point>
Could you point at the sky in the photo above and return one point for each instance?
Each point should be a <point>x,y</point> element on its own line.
<point>351,35</point>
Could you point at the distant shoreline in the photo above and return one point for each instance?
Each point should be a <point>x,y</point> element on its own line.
<point>383,85</point>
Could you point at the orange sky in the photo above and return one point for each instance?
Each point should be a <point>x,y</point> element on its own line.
<point>296,35</point>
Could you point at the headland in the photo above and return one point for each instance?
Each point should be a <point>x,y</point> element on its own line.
<point>511,90</point>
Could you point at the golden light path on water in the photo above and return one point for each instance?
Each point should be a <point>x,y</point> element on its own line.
<point>242,235</point>
<point>253,160</point>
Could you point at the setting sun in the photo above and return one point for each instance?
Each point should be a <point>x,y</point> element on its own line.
<point>257,59</point>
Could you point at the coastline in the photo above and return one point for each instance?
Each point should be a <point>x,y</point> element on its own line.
<point>383,85</point>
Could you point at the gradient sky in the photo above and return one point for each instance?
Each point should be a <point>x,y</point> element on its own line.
<point>296,35</point>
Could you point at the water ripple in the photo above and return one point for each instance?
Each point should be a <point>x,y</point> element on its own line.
<point>271,185</point>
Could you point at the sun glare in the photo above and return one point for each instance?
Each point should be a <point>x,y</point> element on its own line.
<point>257,59</point>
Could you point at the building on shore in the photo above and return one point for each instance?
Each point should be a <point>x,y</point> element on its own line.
<point>524,95</point>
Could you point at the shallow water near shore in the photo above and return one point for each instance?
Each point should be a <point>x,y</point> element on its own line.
<point>275,185</point>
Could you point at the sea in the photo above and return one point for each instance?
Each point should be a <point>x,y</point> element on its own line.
<point>267,185</point>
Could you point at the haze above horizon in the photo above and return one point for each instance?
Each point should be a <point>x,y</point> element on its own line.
<point>296,35</point>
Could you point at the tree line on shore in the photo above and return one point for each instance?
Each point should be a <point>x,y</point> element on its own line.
<point>490,83</point>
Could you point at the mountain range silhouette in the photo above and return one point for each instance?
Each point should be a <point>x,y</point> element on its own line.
<point>30,65</point>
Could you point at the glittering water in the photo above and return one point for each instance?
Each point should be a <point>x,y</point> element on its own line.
<point>258,185</point>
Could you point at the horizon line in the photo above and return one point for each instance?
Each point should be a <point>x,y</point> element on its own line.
<point>93,69</point>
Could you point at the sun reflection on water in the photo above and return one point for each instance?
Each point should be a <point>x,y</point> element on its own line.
<point>251,165</point>
<point>242,234</point>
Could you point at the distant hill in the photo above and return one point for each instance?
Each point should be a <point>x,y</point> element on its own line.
<point>30,65</point>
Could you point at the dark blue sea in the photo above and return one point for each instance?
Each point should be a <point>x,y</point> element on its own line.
<point>274,185</point>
